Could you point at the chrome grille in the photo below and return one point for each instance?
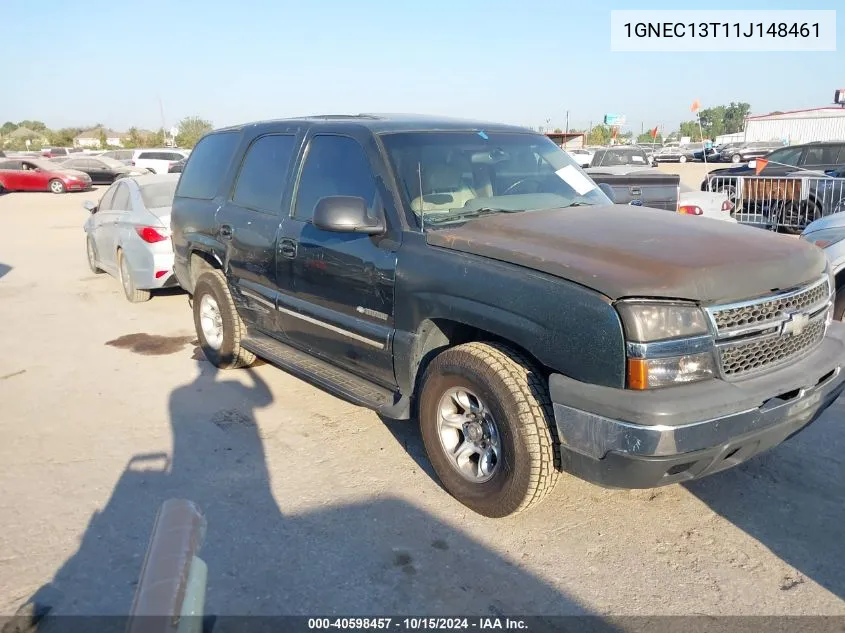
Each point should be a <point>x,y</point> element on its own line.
<point>768,310</point>
<point>753,355</point>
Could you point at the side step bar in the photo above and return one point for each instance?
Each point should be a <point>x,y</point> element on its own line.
<point>318,372</point>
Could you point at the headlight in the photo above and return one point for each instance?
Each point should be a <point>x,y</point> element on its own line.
<point>825,237</point>
<point>645,322</point>
<point>667,344</point>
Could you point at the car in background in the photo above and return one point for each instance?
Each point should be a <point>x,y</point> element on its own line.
<point>828,233</point>
<point>581,156</point>
<point>177,167</point>
<point>128,234</point>
<point>103,171</point>
<point>619,156</point>
<point>2,154</point>
<point>674,154</point>
<point>40,174</point>
<point>705,204</point>
<point>705,153</point>
<point>123,155</point>
<point>53,152</point>
<point>749,151</point>
<point>157,161</point>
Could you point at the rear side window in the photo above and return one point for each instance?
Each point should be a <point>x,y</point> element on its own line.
<point>149,155</point>
<point>121,198</point>
<point>207,167</point>
<point>263,176</point>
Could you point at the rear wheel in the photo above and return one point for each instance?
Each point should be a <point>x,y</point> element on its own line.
<point>91,251</point>
<point>219,327</point>
<point>133,294</point>
<point>57,186</point>
<point>839,305</point>
<point>736,158</point>
<point>487,425</point>
<point>682,159</point>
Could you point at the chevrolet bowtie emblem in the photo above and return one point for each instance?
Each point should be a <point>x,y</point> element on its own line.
<point>795,324</point>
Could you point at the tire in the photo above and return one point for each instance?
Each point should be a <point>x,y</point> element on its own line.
<point>227,353</point>
<point>839,305</point>
<point>133,294</point>
<point>682,159</point>
<point>56,186</point>
<point>736,158</point>
<point>91,252</point>
<point>516,397</point>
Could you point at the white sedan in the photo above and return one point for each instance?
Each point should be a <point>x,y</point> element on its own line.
<point>581,156</point>
<point>706,204</point>
<point>128,234</point>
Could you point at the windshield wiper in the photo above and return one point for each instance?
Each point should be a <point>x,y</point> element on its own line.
<point>453,217</point>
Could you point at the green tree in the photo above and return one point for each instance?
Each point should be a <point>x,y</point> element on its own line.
<point>735,115</point>
<point>35,126</point>
<point>599,135</point>
<point>103,139</point>
<point>191,130</point>
<point>63,137</point>
<point>713,121</point>
<point>7,128</point>
<point>645,137</point>
<point>690,128</point>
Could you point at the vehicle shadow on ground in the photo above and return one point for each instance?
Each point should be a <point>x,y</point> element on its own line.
<point>4,269</point>
<point>407,435</point>
<point>792,500</point>
<point>382,556</point>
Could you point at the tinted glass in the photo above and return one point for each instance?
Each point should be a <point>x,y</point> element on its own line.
<point>612,157</point>
<point>171,156</point>
<point>789,156</point>
<point>148,155</point>
<point>121,198</point>
<point>335,166</point>
<point>207,167</point>
<point>263,175</point>
<point>10,164</point>
<point>821,155</point>
<point>158,194</point>
<point>108,197</point>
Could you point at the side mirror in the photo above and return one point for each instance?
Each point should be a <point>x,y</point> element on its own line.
<point>608,191</point>
<point>91,206</point>
<point>345,214</point>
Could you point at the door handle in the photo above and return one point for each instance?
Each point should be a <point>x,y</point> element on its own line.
<point>226,231</point>
<point>287,248</point>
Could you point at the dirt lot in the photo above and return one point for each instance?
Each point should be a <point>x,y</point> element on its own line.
<point>317,506</point>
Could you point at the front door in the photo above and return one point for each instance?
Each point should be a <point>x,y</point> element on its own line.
<point>336,289</point>
<point>248,224</point>
<point>33,178</point>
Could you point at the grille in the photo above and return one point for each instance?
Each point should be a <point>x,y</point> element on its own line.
<point>748,357</point>
<point>774,309</point>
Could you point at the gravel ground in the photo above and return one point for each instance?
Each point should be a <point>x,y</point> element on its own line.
<point>317,506</point>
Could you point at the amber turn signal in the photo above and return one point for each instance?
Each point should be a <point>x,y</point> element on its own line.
<point>637,373</point>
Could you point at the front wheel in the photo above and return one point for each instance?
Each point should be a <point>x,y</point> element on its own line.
<point>219,327</point>
<point>57,186</point>
<point>682,159</point>
<point>91,251</point>
<point>736,158</point>
<point>487,424</point>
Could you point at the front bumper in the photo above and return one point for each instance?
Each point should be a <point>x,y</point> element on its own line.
<point>624,439</point>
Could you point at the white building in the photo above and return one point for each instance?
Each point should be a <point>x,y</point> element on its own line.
<point>91,138</point>
<point>797,126</point>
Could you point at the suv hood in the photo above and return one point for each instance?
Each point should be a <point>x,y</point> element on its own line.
<point>623,251</point>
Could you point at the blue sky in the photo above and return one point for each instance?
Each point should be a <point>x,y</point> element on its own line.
<point>513,61</point>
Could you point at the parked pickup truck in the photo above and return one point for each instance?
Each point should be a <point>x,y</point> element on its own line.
<point>471,277</point>
<point>639,186</point>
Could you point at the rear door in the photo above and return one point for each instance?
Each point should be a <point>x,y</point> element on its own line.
<point>248,223</point>
<point>114,222</point>
<point>102,225</point>
<point>11,174</point>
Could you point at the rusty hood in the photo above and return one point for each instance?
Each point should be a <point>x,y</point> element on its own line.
<point>624,251</point>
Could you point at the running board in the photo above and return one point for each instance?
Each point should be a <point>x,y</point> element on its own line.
<point>321,374</point>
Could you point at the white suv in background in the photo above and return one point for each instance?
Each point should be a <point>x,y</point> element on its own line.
<point>158,161</point>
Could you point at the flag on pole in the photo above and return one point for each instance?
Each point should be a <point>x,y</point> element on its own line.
<point>760,165</point>
<point>696,106</point>
<point>653,132</point>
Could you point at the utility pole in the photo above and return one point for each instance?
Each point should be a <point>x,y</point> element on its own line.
<point>567,122</point>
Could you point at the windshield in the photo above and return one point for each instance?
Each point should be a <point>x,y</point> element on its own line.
<point>611,157</point>
<point>158,194</point>
<point>447,177</point>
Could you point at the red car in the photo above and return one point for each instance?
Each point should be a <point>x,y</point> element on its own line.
<point>36,174</point>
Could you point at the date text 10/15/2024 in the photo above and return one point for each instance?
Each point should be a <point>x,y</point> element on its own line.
<point>418,623</point>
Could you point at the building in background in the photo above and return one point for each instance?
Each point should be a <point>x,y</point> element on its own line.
<point>570,140</point>
<point>797,126</point>
<point>90,139</point>
<point>736,137</point>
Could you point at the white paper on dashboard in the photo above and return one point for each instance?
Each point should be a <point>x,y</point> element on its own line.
<point>575,179</point>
